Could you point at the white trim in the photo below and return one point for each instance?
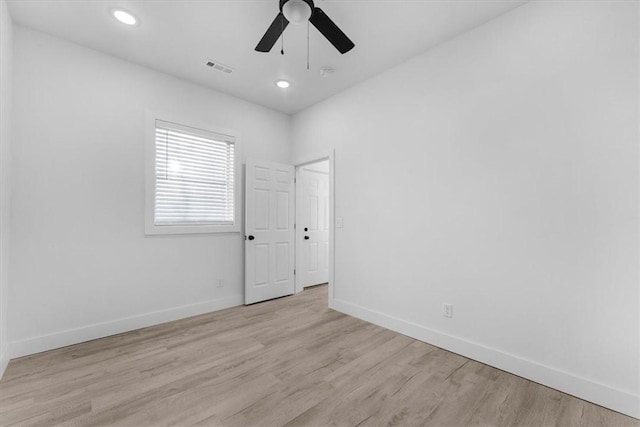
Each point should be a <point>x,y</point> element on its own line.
<point>296,247</point>
<point>313,158</point>
<point>4,361</point>
<point>150,179</point>
<point>104,329</point>
<point>583,388</point>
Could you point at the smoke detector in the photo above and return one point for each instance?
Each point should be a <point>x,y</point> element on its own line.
<point>218,66</point>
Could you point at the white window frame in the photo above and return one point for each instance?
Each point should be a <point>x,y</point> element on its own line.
<point>150,177</point>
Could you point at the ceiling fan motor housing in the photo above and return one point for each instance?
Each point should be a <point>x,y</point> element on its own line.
<point>283,9</point>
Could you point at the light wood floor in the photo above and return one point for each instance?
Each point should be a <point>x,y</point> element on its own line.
<point>289,361</point>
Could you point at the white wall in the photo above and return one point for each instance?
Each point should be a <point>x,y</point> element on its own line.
<point>81,264</point>
<point>498,172</point>
<point>6,101</point>
<point>322,166</point>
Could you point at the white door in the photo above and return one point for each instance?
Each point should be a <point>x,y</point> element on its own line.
<point>269,232</point>
<point>313,226</point>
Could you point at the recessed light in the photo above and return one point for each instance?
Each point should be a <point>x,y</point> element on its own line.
<point>124,17</point>
<point>283,84</point>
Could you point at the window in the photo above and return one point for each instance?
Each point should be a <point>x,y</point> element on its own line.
<point>194,175</point>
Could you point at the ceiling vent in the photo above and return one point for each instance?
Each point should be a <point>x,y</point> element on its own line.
<point>218,66</point>
<point>326,71</point>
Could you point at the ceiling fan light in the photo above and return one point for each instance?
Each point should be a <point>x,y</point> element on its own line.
<point>296,11</point>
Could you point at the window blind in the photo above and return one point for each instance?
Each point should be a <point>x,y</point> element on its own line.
<point>194,176</point>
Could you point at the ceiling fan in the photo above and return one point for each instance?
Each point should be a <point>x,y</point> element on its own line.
<point>299,11</point>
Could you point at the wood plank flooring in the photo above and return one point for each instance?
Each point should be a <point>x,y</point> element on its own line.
<point>286,362</point>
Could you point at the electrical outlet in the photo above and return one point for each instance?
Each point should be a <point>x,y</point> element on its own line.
<point>221,283</point>
<point>339,223</point>
<point>447,310</point>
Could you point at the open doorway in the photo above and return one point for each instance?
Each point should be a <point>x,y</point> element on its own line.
<point>289,233</point>
<point>315,185</point>
<point>312,224</point>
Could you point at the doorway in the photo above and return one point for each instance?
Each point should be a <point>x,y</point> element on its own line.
<point>281,201</point>
<point>312,224</point>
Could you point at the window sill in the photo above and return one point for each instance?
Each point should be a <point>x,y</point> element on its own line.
<point>151,230</point>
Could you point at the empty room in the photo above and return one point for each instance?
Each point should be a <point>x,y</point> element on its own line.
<point>320,213</point>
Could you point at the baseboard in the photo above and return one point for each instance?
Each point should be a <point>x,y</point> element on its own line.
<point>600,394</point>
<point>4,361</point>
<point>101,330</point>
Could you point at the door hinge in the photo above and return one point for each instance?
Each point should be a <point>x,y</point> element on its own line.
<point>294,271</point>
<point>294,226</point>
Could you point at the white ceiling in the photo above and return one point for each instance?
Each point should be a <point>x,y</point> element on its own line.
<point>176,36</point>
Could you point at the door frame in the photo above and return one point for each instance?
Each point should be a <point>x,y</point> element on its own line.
<point>299,162</point>
<point>300,197</point>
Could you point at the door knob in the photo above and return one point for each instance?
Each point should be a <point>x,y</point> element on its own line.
<point>251,237</point>
<point>306,237</point>
<point>306,229</point>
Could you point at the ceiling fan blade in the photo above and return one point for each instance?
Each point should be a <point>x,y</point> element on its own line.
<point>330,30</point>
<point>273,33</point>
